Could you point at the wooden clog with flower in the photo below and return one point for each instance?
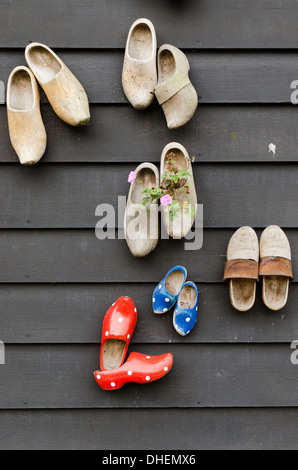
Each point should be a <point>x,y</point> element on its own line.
<point>64,92</point>
<point>186,311</point>
<point>26,128</point>
<point>139,368</point>
<point>166,293</point>
<point>139,75</point>
<point>141,222</point>
<point>179,204</point>
<point>275,267</point>
<point>118,327</point>
<point>174,91</point>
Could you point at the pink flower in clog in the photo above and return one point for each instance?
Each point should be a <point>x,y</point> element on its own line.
<point>132,176</point>
<point>166,200</point>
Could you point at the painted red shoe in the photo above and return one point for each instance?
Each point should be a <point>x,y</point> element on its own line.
<point>118,327</point>
<point>138,368</point>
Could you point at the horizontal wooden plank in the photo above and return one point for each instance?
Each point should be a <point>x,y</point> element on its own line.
<point>195,429</point>
<point>66,256</point>
<point>64,196</point>
<point>33,314</point>
<point>225,77</point>
<point>241,24</point>
<point>203,376</point>
<point>217,133</point>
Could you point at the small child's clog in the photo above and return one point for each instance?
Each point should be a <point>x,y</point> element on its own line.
<point>168,290</point>
<point>186,311</point>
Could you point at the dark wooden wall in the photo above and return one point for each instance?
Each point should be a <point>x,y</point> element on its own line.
<point>232,385</point>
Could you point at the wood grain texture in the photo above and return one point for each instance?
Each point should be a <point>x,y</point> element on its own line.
<point>74,313</point>
<point>189,429</point>
<point>66,196</point>
<point>203,376</point>
<point>218,77</point>
<point>191,24</point>
<point>71,256</point>
<point>120,134</point>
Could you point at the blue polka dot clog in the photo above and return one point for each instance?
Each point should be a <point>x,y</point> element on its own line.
<point>167,292</point>
<point>186,311</point>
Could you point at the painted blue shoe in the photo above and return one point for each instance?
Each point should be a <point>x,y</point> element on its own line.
<point>186,311</point>
<point>168,290</point>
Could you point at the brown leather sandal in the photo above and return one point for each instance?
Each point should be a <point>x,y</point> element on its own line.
<point>242,268</point>
<point>275,267</point>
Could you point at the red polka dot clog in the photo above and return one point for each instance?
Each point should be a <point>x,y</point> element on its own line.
<point>118,327</point>
<point>139,368</point>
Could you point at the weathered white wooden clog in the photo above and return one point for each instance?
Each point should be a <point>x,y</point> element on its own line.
<point>242,268</point>
<point>139,76</point>
<point>275,267</point>
<point>141,225</point>
<point>186,194</point>
<point>26,129</point>
<point>174,91</point>
<point>64,92</point>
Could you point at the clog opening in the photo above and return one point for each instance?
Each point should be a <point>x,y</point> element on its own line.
<point>44,63</point>
<point>275,291</point>
<point>242,294</point>
<point>141,43</point>
<point>174,282</point>
<point>177,158</point>
<point>113,353</point>
<point>167,65</point>
<point>187,298</point>
<point>21,94</point>
<point>146,178</point>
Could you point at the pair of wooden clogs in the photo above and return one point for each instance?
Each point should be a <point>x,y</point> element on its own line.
<point>165,74</point>
<point>174,290</point>
<point>247,259</point>
<point>118,327</point>
<point>141,223</point>
<point>64,92</point>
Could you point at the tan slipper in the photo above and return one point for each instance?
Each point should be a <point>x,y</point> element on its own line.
<point>242,268</point>
<point>174,92</point>
<point>65,93</point>
<point>275,267</point>
<point>179,226</point>
<point>141,225</point>
<point>139,76</point>
<point>26,129</point>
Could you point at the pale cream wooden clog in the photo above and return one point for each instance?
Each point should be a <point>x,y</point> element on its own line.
<point>26,129</point>
<point>174,91</point>
<point>139,75</point>
<point>242,268</point>
<point>64,92</point>
<point>141,223</point>
<point>275,267</point>
<point>182,223</point>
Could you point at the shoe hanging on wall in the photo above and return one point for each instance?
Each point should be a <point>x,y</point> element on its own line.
<point>63,90</point>
<point>275,267</point>
<point>118,327</point>
<point>186,311</point>
<point>26,129</point>
<point>174,91</point>
<point>176,156</point>
<point>242,268</point>
<point>139,368</point>
<point>141,222</point>
<point>166,293</point>
<point>139,75</point>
